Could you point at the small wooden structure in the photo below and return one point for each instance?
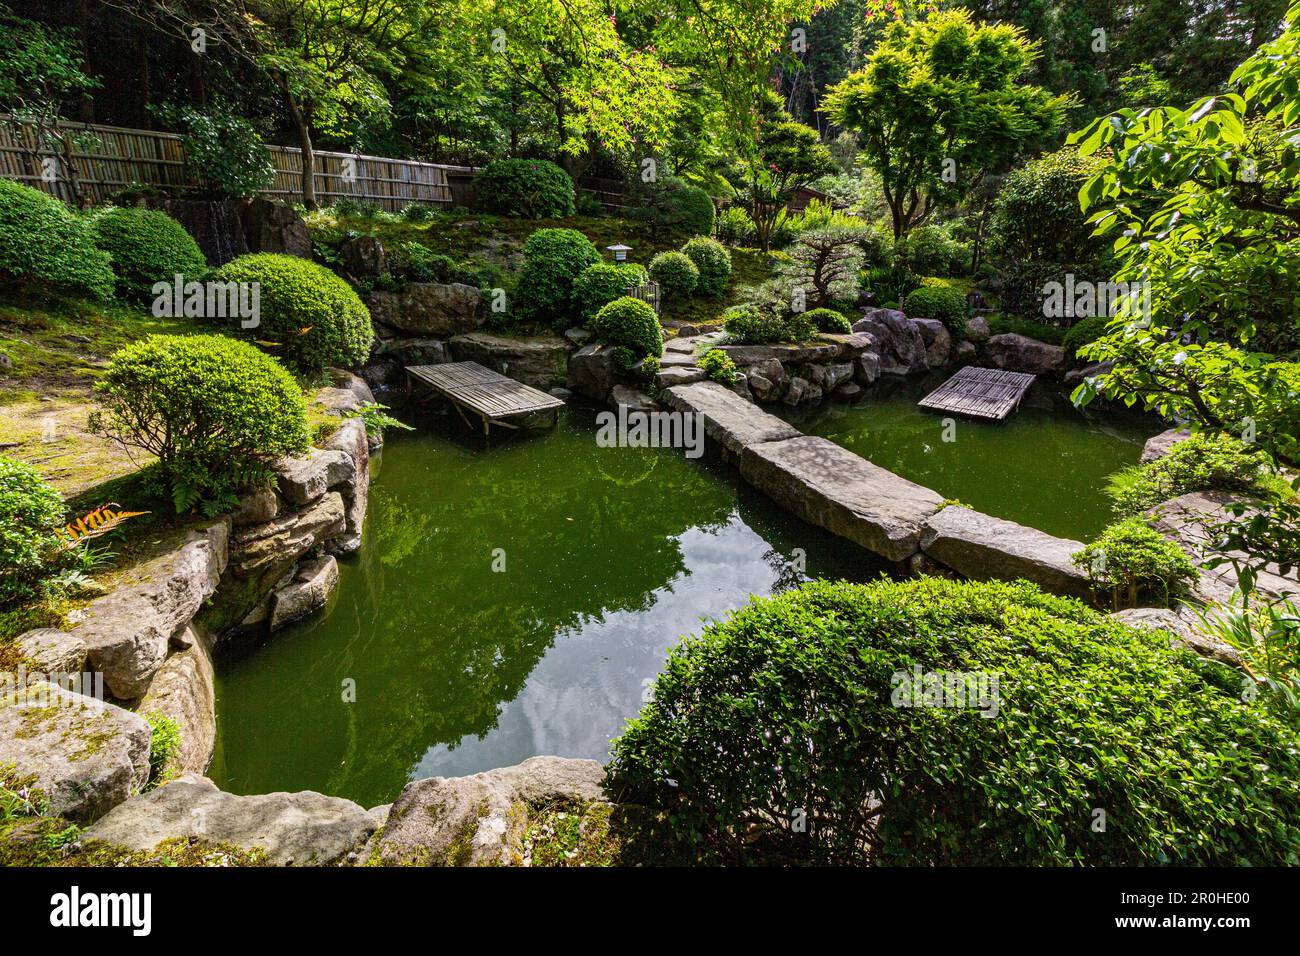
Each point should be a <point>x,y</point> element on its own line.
<point>491,396</point>
<point>990,393</point>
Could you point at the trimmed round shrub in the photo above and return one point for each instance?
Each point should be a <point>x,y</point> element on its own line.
<point>30,511</point>
<point>215,411</point>
<point>748,325</point>
<point>147,246</point>
<point>45,245</point>
<point>630,323</point>
<point>713,262</point>
<point>602,283</point>
<point>719,366</point>
<point>940,302</point>
<point>844,723</point>
<point>675,273</point>
<point>672,203</point>
<point>1084,332</point>
<point>533,188</point>
<point>309,316</point>
<point>1036,215</point>
<point>828,320</point>
<point>553,260</point>
<point>1132,563</point>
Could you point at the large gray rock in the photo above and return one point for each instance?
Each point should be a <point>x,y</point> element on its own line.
<point>1019,353</point>
<point>1180,630</point>
<point>938,342</point>
<point>274,227</point>
<point>430,308</point>
<point>256,507</point>
<point>480,820</point>
<point>635,399</point>
<point>352,440</point>
<point>294,829</point>
<point>309,590</point>
<point>51,651</point>
<point>86,755</point>
<point>977,329</point>
<point>867,368</point>
<point>280,543</point>
<point>1158,446</point>
<point>363,257</point>
<point>183,690</point>
<point>539,361</point>
<point>982,547</point>
<point>791,354</point>
<point>796,390</point>
<point>833,488</point>
<point>592,371</point>
<point>679,375</point>
<point>1190,520</point>
<point>729,419</point>
<point>899,342</point>
<point>126,633</point>
<point>303,480</point>
<point>852,344</point>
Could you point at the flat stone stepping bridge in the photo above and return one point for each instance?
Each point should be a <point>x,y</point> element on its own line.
<point>980,393</point>
<point>491,396</point>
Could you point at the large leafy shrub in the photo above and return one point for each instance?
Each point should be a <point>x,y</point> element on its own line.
<point>671,204</point>
<point>146,246</point>
<point>214,410</point>
<point>940,302</point>
<point>1202,462</point>
<point>44,245</point>
<point>931,251</point>
<point>533,188</point>
<point>553,260</point>
<point>309,316</point>
<point>775,736</point>
<point>630,323</point>
<point>675,273</point>
<point>1084,332</point>
<point>712,261</point>
<point>1131,562</point>
<point>223,149</point>
<point>30,511</point>
<point>602,283</point>
<point>735,228</point>
<point>1036,215</point>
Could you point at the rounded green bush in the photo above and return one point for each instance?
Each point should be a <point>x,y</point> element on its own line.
<point>1084,332</point>
<point>214,410</point>
<point>719,367</point>
<point>750,325</point>
<point>675,273</point>
<point>30,511</point>
<point>311,318</point>
<point>533,188</point>
<point>672,203</point>
<point>45,245</point>
<point>146,246</point>
<point>789,733</point>
<point>630,323</point>
<point>713,262</point>
<point>828,320</point>
<point>553,260</point>
<point>937,302</point>
<point>1202,462</point>
<point>1131,561</point>
<point>602,283</point>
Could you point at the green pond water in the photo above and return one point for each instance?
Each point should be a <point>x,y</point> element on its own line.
<point>611,555</point>
<point>1044,466</point>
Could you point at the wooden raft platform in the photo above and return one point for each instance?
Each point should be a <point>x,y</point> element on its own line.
<point>490,395</point>
<point>980,393</point>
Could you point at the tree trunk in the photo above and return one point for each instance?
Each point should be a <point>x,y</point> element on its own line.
<point>302,124</point>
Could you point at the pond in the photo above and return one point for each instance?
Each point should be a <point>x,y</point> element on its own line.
<point>1045,466</point>
<point>507,601</point>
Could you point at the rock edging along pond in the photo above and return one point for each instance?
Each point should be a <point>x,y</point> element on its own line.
<point>150,642</point>
<point>830,486</point>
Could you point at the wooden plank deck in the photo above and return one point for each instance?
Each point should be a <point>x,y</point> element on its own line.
<point>980,393</point>
<point>490,395</point>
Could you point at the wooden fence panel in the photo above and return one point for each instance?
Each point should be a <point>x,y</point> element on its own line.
<point>110,158</point>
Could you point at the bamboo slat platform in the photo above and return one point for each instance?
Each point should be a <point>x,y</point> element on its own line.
<point>980,393</point>
<point>490,395</point>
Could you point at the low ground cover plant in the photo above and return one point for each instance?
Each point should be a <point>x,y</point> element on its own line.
<point>719,367</point>
<point>1201,462</point>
